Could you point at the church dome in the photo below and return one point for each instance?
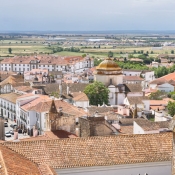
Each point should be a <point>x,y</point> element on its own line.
<point>108,65</point>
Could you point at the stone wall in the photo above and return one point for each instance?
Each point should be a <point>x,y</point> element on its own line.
<point>2,137</point>
<point>84,127</point>
<point>93,126</point>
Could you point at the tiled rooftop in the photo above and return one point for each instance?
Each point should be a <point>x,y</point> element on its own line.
<point>137,99</point>
<point>133,87</point>
<point>132,78</point>
<point>79,96</point>
<point>43,59</point>
<point>170,78</point>
<point>44,106</point>
<point>150,126</point>
<point>14,80</point>
<point>14,163</point>
<point>11,97</point>
<point>97,151</point>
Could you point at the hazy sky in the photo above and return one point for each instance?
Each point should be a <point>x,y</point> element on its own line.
<point>84,15</point>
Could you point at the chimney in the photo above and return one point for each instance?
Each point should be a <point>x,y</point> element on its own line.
<point>35,131</point>
<point>15,135</point>
<point>60,90</point>
<point>135,111</point>
<point>67,90</point>
<point>77,132</point>
<point>2,130</point>
<point>96,114</point>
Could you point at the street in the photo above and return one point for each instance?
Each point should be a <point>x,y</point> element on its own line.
<point>7,129</point>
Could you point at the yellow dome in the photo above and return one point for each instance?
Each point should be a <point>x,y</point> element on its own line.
<point>108,65</point>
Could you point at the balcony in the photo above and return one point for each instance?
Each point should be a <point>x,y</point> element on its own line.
<point>23,119</point>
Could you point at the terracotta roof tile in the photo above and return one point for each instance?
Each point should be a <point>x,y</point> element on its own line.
<point>79,96</point>
<point>133,88</point>
<point>14,163</point>
<point>150,126</point>
<point>97,151</point>
<point>170,78</point>
<point>132,78</point>
<point>44,106</point>
<point>137,99</point>
<point>11,97</point>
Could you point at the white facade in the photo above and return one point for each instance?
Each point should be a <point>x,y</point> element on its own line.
<point>20,67</point>
<point>8,109</point>
<point>166,87</point>
<point>115,96</point>
<point>139,130</point>
<point>148,76</point>
<point>160,116</point>
<point>82,104</point>
<point>131,73</point>
<point>151,168</point>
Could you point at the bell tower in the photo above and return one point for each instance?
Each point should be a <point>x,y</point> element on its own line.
<point>53,117</point>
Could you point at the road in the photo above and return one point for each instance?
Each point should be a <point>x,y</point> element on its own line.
<point>7,129</point>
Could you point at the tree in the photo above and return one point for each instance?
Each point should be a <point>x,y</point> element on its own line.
<point>84,55</point>
<point>171,108</point>
<point>10,50</point>
<point>97,93</point>
<point>172,51</point>
<point>110,54</point>
<point>157,95</point>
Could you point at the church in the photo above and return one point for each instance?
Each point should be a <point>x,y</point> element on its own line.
<point>110,74</point>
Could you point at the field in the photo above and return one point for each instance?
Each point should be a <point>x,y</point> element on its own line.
<point>38,45</point>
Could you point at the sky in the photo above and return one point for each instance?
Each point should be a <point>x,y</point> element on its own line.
<point>86,15</point>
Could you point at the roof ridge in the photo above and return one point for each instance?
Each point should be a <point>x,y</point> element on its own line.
<point>87,138</point>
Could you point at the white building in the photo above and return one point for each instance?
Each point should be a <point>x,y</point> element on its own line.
<point>110,74</point>
<point>8,105</point>
<point>51,63</point>
<point>147,75</point>
<point>164,84</point>
<point>148,127</point>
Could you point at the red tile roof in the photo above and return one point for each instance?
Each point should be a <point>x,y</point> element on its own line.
<point>97,151</point>
<point>14,163</point>
<point>170,78</point>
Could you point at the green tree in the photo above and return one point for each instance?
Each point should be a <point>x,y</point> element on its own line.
<point>157,95</point>
<point>97,93</point>
<point>84,55</point>
<point>10,50</point>
<point>171,108</point>
<point>172,51</point>
<point>110,54</point>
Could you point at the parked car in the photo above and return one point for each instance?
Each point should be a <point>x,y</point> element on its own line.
<point>5,124</point>
<point>13,125</point>
<point>11,132</point>
<point>20,131</point>
<point>8,134</point>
